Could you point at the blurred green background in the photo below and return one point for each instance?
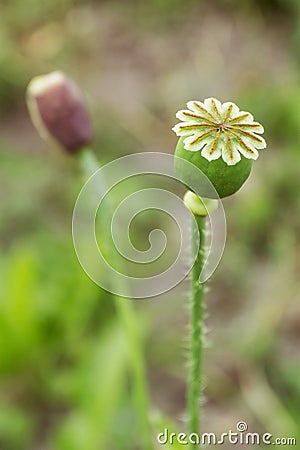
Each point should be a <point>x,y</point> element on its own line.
<point>63,360</point>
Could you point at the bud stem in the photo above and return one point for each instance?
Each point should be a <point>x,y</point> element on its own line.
<point>129,321</point>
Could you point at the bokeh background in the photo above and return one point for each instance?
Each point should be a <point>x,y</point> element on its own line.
<point>63,366</point>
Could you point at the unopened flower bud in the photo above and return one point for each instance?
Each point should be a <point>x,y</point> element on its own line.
<point>58,111</point>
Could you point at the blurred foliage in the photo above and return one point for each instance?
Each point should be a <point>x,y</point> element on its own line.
<point>63,365</point>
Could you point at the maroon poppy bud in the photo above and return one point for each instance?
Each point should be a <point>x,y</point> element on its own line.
<point>58,111</point>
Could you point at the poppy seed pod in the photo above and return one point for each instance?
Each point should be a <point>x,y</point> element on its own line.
<point>221,141</point>
<point>58,111</point>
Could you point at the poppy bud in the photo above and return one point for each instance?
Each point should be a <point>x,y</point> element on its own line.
<point>58,111</point>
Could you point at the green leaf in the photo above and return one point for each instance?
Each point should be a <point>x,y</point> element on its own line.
<point>97,388</point>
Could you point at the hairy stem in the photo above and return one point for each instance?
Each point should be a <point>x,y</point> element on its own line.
<point>129,321</point>
<point>196,323</point>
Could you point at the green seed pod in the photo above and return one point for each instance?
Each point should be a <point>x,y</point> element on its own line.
<point>221,141</point>
<point>226,179</point>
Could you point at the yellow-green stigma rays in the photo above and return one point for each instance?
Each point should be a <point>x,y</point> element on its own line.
<point>219,130</point>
